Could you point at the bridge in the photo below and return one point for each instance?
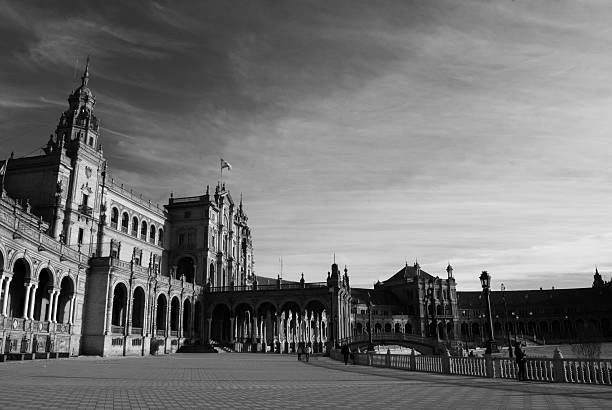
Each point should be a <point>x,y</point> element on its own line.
<point>423,345</point>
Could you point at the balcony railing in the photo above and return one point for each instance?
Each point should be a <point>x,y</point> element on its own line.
<point>117,329</point>
<point>136,330</point>
<point>173,333</point>
<point>160,332</point>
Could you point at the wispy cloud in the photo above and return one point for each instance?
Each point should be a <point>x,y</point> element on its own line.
<point>474,131</point>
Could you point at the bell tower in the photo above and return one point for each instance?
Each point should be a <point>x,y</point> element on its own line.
<point>79,195</point>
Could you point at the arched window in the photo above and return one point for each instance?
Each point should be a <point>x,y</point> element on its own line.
<point>152,234</point>
<point>135,226</point>
<point>114,218</point>
<point>143,230</point>
<point>160,237</point>
<point>125,220</point>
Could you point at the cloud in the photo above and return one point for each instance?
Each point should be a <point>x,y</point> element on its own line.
<point>474,131</point>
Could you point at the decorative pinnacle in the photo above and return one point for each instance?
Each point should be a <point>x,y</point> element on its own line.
<point>85,78</point>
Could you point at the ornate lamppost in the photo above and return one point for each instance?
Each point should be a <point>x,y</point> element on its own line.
<point>503,290</point>
<point>485,281</point>
<point>370,343</point>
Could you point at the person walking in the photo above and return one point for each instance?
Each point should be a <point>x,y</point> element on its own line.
<point>345,353</point>
<point>521,360</point>
<point>308,351</point>
<point>299,351</point>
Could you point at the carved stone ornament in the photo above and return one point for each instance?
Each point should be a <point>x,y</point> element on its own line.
<point>88,172</point>
<point>15,323</point>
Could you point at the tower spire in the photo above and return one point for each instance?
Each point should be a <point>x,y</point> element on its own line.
<point>85,78</point>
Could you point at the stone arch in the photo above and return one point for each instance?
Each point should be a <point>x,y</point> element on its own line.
<point>64,299</point>
<point>152,233</point>
<point>388,327</point>
<point>197,317</point>
<point>161,307</point>
<point>3,258</point>
<point>186,318</point>
<point>359,328</point>
<point>175,309</point>
<point>125,222</point>
<point>397,328</point>
<point>440,329</point>
<point>138,308</point>
<point>144,228</point>
<point>266,314</point>
<point>377,328</point>
<point>408,328</point>
<point>114,217</point>
<point>42,301</point>
<point>220,325</point>
<point>465,330</point>
<point>119,304</point>
<point>185,266</point>
<point>21,268</point>
<point>135,225</point>
<point>475,329</point>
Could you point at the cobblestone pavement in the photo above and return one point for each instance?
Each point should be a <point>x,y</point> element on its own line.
<point>257,381</point>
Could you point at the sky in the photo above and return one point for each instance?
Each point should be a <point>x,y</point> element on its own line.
<point>384,132</point>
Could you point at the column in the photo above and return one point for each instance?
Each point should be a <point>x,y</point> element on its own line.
<point>50,305</point>
<point>109,306</point>
<point>32,302</point>
<point>6,295</point>
<point>26,305</point>
<point>72,304</point>
<point>57,293</point>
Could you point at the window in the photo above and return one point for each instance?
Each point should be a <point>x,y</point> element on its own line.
<point>191,238</point>
<point>81,233</point>
<point>135,226</point>
<point>181,238</point>
<point>84,200</point>
<point>152,234</point>
<point>125,220</point>
<point>160,237</point>
<point>114,218</point>
<point>143,231</point>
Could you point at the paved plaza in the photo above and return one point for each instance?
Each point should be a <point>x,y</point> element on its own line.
<point>257,381</point>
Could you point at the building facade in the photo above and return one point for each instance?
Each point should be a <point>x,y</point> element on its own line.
<point>89,266</point>
<point>411,302</point>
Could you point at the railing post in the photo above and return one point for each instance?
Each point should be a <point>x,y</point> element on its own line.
<point>558,367</point>
<point>388,358</point>
<point>490,371</point>
<point>412,361</point>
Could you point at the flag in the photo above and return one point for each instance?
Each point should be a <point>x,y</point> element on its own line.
<point>3,169</point>
<point>225,164</point>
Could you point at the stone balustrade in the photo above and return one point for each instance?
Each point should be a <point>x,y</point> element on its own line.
<point>554,370</point>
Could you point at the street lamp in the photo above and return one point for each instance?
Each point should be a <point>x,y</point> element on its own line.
<point>485,281</point>
<point>370,343</point>
<point>503,290</point>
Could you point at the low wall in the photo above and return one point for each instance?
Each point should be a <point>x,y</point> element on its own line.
<point>554,370</point>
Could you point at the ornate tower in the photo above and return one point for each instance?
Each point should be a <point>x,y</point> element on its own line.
<point>78,194</point>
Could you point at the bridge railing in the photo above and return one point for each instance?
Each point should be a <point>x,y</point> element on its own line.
<point>554,370</point>
<point>388,337</point>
